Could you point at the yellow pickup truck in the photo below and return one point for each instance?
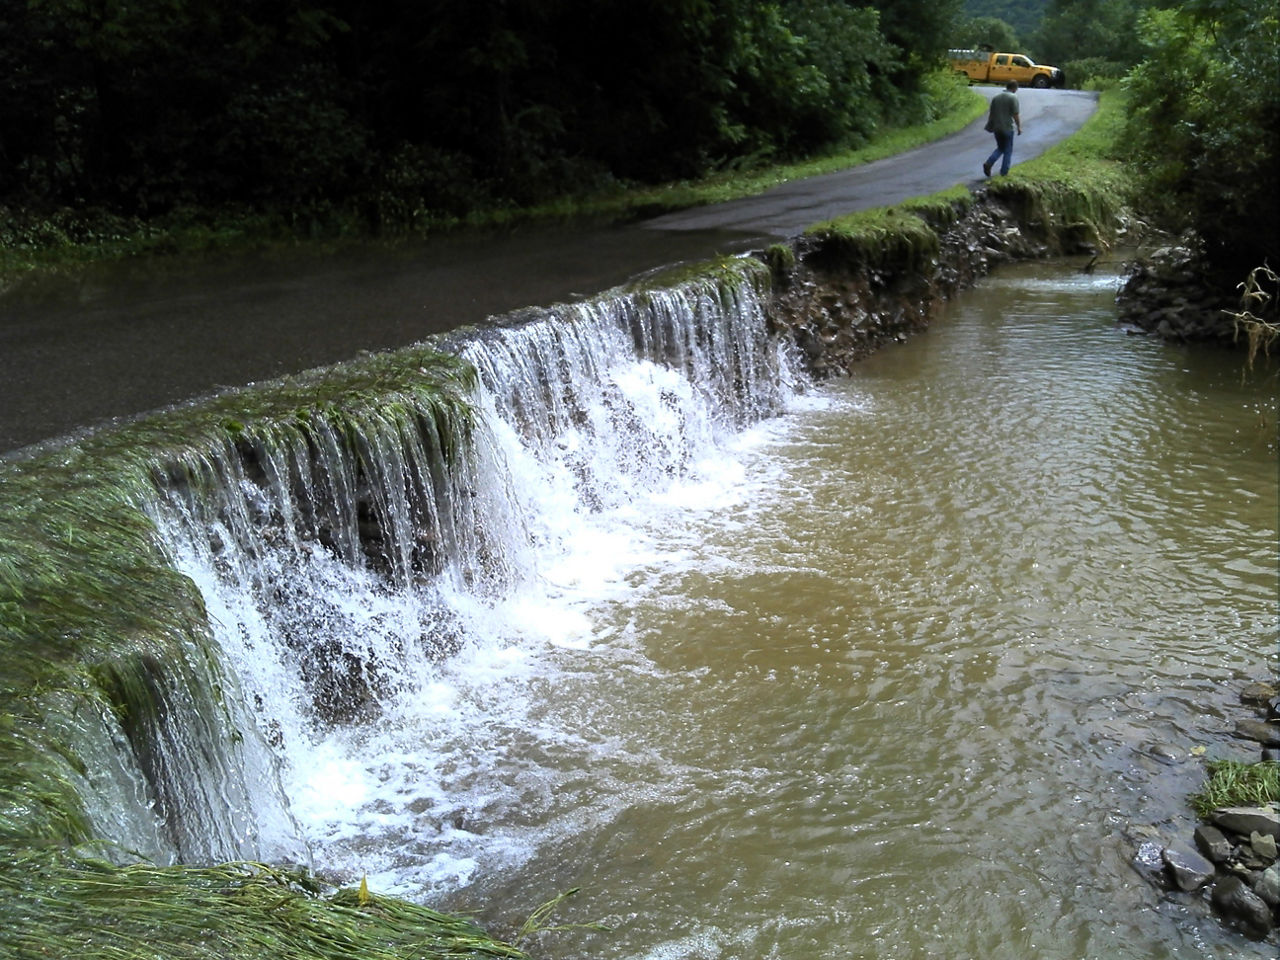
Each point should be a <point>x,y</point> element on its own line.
<point>982,66</point>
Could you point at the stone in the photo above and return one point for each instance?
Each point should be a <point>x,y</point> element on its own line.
<point>1166,753</point>
<point>1233,899</point>
<point>1264,845</point>
<point>1264,732</point>
<point>1268,886</point>
<point>1245,820</point>
<point>1213,843</point>
<point>1148,857</point>
<point>1257,694</point>
<point>1186,868</point>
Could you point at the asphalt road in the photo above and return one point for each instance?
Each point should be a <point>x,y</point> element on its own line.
<point>112,349</point>
<point>786,210</point>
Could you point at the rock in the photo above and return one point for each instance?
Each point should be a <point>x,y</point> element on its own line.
<point>1166,753</point>
<point>1273,708</point>
<point>1262,731</point>
<point>1245,820</point>
<point>1268,886</point>
<point>1233,899</point>
<point>1186,868</point>
<point>1246,860</point>
<point>1264,845</point>
<point>1147,858</point>
<point>1213,843</point>
<point>1257,694</point>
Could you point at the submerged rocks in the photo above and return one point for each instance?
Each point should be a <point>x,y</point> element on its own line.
<point>1171,295</point>
<point>1232,897</point>
<point>1265,732</point>
<point>1235,864</point>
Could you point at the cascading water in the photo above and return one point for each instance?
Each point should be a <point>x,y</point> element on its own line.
<point>384,592</point>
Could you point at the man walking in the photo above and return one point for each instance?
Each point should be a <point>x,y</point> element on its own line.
<point>1001,120</point>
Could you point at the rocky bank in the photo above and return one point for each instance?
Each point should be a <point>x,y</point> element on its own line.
<point>1231,858</point>
<point>839,300</point>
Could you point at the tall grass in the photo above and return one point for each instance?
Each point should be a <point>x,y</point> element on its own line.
<point>55,904</point>
<point>1233,783</point>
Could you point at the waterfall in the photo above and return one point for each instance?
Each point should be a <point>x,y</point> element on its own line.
<point>366,570</point>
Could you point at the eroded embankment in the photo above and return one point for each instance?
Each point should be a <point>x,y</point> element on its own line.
<point>122,728</point>
<point>843,289</point>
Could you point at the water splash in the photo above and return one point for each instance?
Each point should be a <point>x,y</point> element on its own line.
<point>376,578</point>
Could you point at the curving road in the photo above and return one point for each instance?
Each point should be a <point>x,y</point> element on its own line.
<point>786,210</point>
<point>105,351</point>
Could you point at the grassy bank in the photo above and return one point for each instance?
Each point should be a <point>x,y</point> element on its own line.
<point>70,241</point>
<point>1079,185</point>
<point>1231,783</point>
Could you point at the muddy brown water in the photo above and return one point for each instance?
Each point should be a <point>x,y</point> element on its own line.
<point>927,692</point>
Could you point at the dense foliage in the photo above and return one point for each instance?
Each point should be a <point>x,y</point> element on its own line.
<point>987,33</point>
<point>399,109</point>
<point>1205,124</point>
<point>1022,16</point>
<point>1091,38</point>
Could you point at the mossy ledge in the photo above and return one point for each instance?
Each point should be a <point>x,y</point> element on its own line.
<point>850,286</point>
<point>98,633</point>
<point>101,640</point>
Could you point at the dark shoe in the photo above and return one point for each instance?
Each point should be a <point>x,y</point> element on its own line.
<point>986,169</point>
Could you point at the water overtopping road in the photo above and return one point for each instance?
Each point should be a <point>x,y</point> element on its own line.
<point>136,343</point>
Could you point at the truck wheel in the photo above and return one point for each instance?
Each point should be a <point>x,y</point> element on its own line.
<point>1040,81</point>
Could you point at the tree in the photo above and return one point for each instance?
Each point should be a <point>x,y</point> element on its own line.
<point>1205,124</point>
<point>921,30</point>
<point>986,32</point>
<point>1090,29</point>
<point>1023,16</point>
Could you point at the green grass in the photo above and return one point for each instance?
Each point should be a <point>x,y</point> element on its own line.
<point>1076,188</point>
<point>55,904</point>
<point>1233,783</point>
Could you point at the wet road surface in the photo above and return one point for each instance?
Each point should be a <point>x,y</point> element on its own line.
<point>102,351</point>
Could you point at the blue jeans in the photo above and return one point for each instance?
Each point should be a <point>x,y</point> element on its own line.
<point>1004,148</point>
